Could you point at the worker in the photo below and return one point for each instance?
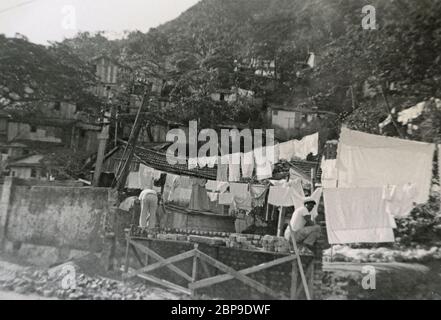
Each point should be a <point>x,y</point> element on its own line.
<point>149,205</point>
<point>306,232</point>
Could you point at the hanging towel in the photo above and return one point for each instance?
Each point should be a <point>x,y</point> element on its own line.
<point>367,160</point>
<point>280,197</point>
<point>234,167</point>
<point>356,215</point>
<point>199,199</point>
<point>226,198</point>
<point>247,164</point>
<point>182,193</point>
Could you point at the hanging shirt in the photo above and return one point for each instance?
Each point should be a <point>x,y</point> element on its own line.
<point>263,166</point>
<point>226,198</point>
<point>247,164</point>
<point>171,182</point>
<point>241,196</point>
<point>356,215</point>
<point>367,160</point>
<point>146,176</point>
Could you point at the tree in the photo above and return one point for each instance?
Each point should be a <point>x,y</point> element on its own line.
<point>31,74</point>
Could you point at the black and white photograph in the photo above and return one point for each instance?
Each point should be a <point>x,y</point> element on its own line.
<point>220,155</point>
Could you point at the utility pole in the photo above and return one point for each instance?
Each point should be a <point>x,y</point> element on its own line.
<point>102,138</point>
<point>123,170</point>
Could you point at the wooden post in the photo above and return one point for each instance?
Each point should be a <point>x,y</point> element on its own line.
<point>194,271</point>
<point>146,255</point>
<point>299,263</point>
<point>294,281</point>
<point>126,262</point>
<point>102,138</point>
<point>280,222</point>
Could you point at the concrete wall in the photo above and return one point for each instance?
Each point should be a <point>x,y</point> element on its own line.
<point>61,217</point>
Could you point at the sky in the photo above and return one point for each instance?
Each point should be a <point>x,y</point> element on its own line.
<point>53,20</point>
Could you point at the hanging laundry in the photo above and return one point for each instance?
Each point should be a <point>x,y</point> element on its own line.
<point>316,196</point>
<point>410,114</point>
<point>202,162</point>
<point>241,196</point>
<point>400,200</point>
<point>211,161</point>
<point>222,168</point>
<point>356,215</point>
<point>199,199</point>
<point>183,191</point>
<point>217,186</point>
<point>280,197</point>
<point>133,180</point>
<point>247,164</point>
<point>329,173</point>
<point>234,167</point>
<point>213,196</point>
<point>226,198</point>
<point>367,160</point>
<point>308,145</point>
<point>171,182</point>
<point>286,150</point>
<point>146,176</point>
<point>263,166</point>
<point>192,163</point>
<point>258,194</point>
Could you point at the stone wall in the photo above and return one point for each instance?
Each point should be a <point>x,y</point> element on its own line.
<point>65,218</point>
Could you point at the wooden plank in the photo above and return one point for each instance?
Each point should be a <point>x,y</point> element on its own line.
<point>194,271</point>
<point>163,263</point>
<point>301,286</point>
<point>164,283</point>
<point>280,221</point>
<point>294,281</point>
<point>159,258</point>
<point>247,280</point>
<point>126,263</point>
<point>299,263</point>
<point>137,256</point>
<point>254,269</point>
<point>311,279</point>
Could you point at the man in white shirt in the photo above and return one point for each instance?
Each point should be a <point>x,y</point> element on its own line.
<point>306,232</point>
<point>149,205</point>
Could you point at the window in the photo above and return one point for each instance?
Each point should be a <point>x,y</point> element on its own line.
<point>13,173</point>
<point>33,128</point>
<point>57,106</point>
<point>222,97</point>
<point>83,133</point>
<point>33,173</point>
<point>275,113</point>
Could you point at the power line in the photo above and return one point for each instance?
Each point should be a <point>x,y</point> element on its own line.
<point>17,6</point>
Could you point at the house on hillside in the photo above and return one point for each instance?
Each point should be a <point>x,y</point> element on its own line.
<point>112,76</point>
<point>292,122</point>
<point>30,167</point>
